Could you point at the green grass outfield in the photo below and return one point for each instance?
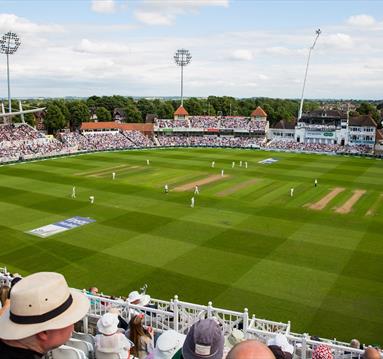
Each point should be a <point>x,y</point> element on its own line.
<point>256,247</point>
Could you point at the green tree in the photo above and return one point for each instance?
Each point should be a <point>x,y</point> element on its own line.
<point>103,114</point>
<point>146,107</point>
<point>79,113</point>
<point>133,115</point>
<point>54,119</point>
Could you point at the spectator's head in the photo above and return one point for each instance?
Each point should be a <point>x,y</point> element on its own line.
<point>250,349</point>
<point>371,353</point>
<point>322,352</point>
<point>42,312</point>
<point>355,343</point>
<point>93,290</point>
<point>108,324</point>
<point>204,340</point>
<point>280,347</point>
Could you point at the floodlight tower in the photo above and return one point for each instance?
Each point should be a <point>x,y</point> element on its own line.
<point>317,33</point>
<point>9,44</point>
<point>182,58</point>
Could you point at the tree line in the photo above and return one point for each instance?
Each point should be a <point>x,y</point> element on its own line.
<point>69,113</point>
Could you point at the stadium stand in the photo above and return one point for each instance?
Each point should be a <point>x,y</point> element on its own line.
<point>180,316</point>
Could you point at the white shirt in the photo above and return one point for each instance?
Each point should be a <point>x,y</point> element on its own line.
<point>115,343</point>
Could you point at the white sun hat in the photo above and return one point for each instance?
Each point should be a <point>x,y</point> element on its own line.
<point>168,343</point>
<point>39,302</point>
<point>108,324</point>
<point>143,299</point>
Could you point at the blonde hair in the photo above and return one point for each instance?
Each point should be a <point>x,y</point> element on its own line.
<point>4,290</point>
<point>137,330</point>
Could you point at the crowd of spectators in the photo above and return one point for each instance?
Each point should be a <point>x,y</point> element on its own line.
<point>210,141</point>
<point>317,147</point>
<point>138,138</point>
<point>23,142</point>
<point>206,122</point>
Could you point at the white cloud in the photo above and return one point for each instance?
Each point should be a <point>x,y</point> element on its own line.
<point>164,12</point>
<point>20,24</point>
<point>361,20</point>
<point>242,55</point>
<point>103,6</point>
<point>154,18</point>
<point>339,40</point>
<point>105,48</point>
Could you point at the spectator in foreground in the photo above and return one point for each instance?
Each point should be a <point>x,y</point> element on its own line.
<point>204,340</point>
<point>41,316</point>
<point>141,337</point>
<point>371,353</point>
<point>110,340</point>
<point>250,349</point>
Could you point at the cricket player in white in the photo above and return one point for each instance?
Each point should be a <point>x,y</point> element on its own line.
<point>91,199</point>
<point>292,192</point>
<point>213,164</point>
<point>74,192</point>
<point>246,164</point>
<point>240,163</point>
<point>232,164</point>
<point>315,182</point>
<point>113,175</point>
<point>166,188</point>
<point>148,162</point>
<point>196,190</point>
<point>192,202</point>
<point>222,172</point>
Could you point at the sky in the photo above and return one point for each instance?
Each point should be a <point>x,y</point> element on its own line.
<point>239,48</point>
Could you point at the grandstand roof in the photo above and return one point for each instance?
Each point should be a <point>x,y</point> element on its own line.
<point>181,111</point>
<point>362,120</point>
<point>285,125</point>
<point>259,112</point>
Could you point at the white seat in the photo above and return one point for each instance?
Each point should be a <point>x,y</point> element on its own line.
<point>82,345</point>
<point>65,352</point>
<point>85,337</point>
<point>101,355</point>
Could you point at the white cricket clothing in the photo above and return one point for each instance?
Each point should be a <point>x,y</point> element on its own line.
<point>91,199</point>
<point>74,192</point>
<point>222,173</point>
<point>148,162</point>
<point>113,175</point>
<point>213,164</point>
<point>166,188</point>
<point>232,164</point>
<point>291,192</point>
<point>240,163</point>
<point>192,202</point>
<point>245,164</point>
<point>196,190</point>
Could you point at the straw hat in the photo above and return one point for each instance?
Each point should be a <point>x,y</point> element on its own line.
<point>41,301</point>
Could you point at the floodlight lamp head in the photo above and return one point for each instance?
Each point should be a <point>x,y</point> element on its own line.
<point>9,43</point>
<point>182,57</point>
<point>318,32</point>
